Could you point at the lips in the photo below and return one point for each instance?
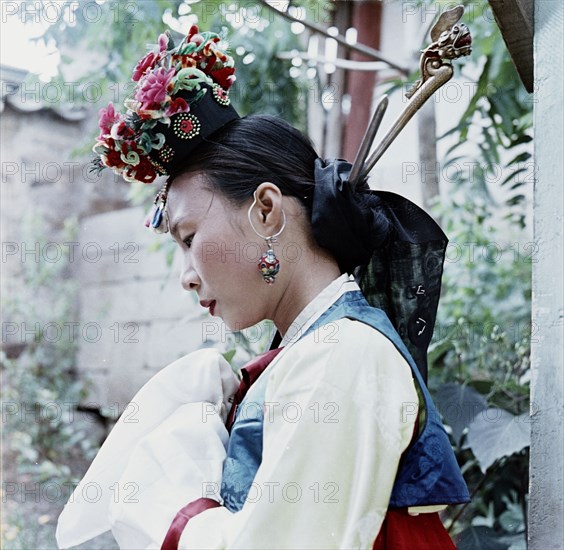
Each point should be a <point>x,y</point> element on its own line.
<point>210,304</point>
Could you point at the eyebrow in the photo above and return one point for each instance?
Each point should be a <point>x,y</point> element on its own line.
<point>174,228</point>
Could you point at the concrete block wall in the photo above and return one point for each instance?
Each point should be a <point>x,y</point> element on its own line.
<point>135,318</point>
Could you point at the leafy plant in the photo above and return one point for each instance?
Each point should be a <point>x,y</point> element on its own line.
<point>479,357</point>
<point>40,392</point>
<point>479,366</point>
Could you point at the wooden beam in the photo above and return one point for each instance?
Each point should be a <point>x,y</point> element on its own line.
<point>515,20</point>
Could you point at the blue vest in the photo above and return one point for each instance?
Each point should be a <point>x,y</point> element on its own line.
<point>428,472</point>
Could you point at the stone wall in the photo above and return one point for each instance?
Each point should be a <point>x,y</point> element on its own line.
<point>42,176</point>
<point>135,318</point>
<point>131,316</point>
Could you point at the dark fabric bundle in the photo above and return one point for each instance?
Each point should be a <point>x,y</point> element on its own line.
<point>394,248</point>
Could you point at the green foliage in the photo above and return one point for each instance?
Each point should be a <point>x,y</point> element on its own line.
<point>39,391</point>
<point>497,121</point>
<point>114,35</point>
<point>39,382</point>
<point>479,358</point>
<point>479,363</point>
<point>104,40</point>
<point>256,37</point>
<point>490,150</point>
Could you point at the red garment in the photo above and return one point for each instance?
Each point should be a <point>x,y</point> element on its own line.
<point>183,516</point>
<point>400,531</point>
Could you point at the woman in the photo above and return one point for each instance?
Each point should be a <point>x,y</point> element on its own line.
<point>333,441</point>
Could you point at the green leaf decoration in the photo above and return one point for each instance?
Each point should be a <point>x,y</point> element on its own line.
<point>496,433</point>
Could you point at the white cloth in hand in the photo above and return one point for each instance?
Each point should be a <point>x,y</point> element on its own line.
<point>156,459</point>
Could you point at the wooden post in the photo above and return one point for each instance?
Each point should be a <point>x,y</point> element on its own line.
<point>546,501</point>
<point>366,18</point>
<point>427,129</point>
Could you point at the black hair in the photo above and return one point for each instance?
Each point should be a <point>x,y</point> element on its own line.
<point>248,151</point>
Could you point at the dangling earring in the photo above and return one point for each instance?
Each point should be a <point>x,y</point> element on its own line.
<point>269,264</point>
<point>157,219</point>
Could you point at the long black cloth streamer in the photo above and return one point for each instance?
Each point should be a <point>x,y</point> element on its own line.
<point>394,248</point>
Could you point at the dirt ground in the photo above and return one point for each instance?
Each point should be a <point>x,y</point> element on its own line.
<point>30,508</point>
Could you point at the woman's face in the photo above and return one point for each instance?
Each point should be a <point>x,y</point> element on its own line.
<point>220,252</point>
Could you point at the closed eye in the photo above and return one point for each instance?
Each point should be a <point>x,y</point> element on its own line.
<point>188,241</point>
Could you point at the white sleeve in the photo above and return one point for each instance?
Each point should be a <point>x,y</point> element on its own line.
<point>170,438</point>
<point>340,409</point>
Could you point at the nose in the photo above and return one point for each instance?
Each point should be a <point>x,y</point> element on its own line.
<point>189,278</point>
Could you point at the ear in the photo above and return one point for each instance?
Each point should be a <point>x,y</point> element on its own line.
<point>268,208</point>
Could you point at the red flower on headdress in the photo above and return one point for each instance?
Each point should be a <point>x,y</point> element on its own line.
<point>224,77</point>
<point>177,105</point>
<point>186,61</point>
<point>106,148</point>
<point>121,130</point>
<point>113,159</point>
<point>191,32</point>
<point>186,126</point>
<point>152,92</point>
<point>145,172</point>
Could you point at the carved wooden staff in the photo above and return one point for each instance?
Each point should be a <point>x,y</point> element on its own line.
<point>450,41</point>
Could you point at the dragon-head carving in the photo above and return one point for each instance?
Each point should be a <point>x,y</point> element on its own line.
<point>450,38</point>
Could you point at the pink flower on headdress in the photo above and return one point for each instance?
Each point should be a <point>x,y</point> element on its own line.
<point>148,62</point>
<point>153,89</point>
<point>163,42</point>
<point>177,105</point>
<point>108,117</point>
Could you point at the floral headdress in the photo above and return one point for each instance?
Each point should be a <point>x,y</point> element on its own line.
<point>181,97</point>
